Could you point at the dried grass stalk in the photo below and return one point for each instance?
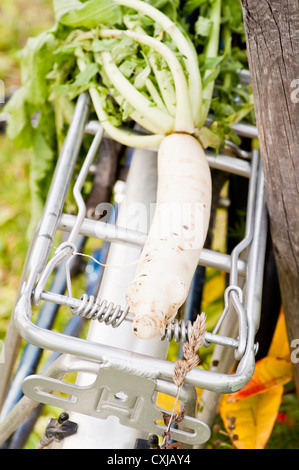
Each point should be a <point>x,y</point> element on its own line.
<point>183,366</point>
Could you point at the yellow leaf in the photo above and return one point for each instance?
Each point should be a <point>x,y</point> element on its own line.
<point>280,344</point>
<point>251,419</point>
<point>213,290</point>
<point>254,408</point>
<point>166,402</point>
<point>269,373</point>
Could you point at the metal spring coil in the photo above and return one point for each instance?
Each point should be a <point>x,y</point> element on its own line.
<point>178,330</point>
<point>92,308</point>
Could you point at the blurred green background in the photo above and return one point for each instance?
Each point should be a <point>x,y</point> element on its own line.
<point>19,19</point>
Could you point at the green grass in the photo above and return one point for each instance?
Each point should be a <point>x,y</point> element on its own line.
<point>19,19</point>
<point>14,215</point>
<point>285,434</point>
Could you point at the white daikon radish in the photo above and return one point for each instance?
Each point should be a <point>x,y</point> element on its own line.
<point>165,95</point>
<point>175,240</point>
<point>146,67</point>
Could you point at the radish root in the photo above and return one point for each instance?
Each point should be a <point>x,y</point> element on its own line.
<point>176,237</point>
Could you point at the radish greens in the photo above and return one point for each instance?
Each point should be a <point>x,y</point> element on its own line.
<point>163,64</point>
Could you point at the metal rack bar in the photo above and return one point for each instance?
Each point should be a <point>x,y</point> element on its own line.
<point>117,234</point>
<point>241,128</point>
<point>223,383</point>
<point>59,187</point>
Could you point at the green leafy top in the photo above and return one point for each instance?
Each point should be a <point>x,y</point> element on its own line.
<point>164,64</point>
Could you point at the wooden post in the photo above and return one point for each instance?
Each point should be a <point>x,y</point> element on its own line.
<point>272,35</point>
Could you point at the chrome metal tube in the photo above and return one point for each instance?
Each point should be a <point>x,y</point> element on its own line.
<point>232,165</point>
<point>241,128</point>
<point>256,257</point>
<point>59,187</point>
<point>118,234</point>
<point>126,360</point>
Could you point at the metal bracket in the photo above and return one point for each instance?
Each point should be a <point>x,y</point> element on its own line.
<point>57,430</point>
<point>129,397</point>
<point>136,376</point>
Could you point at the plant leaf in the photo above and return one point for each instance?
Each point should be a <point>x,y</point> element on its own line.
<point>85,76</point>
<point>273,370</point>
<point>253,418</point>
<point>208,138</point>
<point>269,373</point>
<point>240,114</point>
<point>88,14</point>
<point>280,344</point>
<point>191,5</point>
<point>203,26</point>
<point>254,408</point>
<point>19,129</point>
<point>167,402</point>
<point>36,62</point>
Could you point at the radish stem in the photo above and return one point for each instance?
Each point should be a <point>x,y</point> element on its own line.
<point>211,51</point>
<point>125,137</point>
<point>227,39</point>
<point>176,237</point>
<point>183,118</point>
<point>140,64</point>
<point>136,99</point>
<point>154,94</point>
<point>165,85</point>
<point>184,46</point>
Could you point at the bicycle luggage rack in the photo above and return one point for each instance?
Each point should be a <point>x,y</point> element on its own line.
<point>245,263</point>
